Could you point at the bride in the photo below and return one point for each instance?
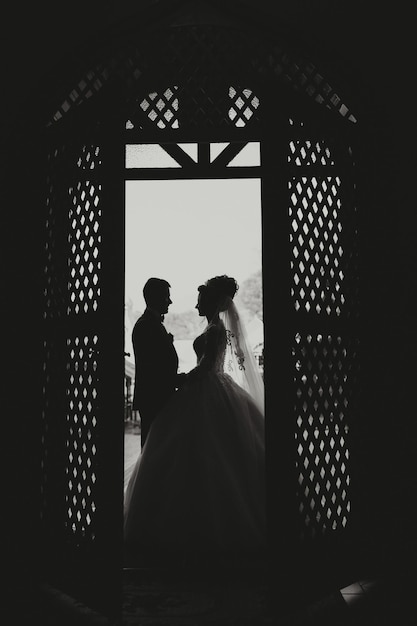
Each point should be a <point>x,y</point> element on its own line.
<point>198,487</point>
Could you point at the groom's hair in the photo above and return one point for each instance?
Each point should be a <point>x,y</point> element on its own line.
<point>153,287</point>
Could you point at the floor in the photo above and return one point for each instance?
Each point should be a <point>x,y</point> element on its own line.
<point>235,600</point>
<point>363,602</point>
<point>228,602</point>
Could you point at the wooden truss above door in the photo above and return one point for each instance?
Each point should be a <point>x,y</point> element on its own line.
<point>192,160</point>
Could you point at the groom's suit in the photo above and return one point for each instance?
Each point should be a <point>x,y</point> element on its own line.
<point>156,366</point>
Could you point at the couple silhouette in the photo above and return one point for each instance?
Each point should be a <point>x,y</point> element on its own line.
<point>198,487</point>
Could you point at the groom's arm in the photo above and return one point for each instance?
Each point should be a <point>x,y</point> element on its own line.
<point>147,351</point>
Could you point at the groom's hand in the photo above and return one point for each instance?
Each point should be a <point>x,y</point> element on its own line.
<point>195,374</point>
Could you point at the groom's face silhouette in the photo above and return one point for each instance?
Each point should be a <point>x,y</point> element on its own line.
<point>161,301</point>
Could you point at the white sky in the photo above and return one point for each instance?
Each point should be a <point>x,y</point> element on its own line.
<point>187,231</point>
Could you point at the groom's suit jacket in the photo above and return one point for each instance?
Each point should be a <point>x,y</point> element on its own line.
<point>156,367</point>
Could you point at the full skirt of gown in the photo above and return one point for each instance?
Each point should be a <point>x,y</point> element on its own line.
<point>199,483</point>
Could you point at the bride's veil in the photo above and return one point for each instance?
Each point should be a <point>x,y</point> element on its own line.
<point>240,362</point>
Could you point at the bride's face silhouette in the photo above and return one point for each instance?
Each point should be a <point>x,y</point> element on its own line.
<point>200,306</point>
<point>205,305</point>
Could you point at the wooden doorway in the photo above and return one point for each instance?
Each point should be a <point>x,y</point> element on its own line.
<point>173,95</point>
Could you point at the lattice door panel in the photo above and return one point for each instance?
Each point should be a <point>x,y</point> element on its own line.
<point>324,268</point>
<point>323,235</point>
<point>84,240</point>
<point>81,440</point>
<point>78,434</point>
<point>72,274</point>
<point>317,252</point>
<point>73,263</point>
<point>326,369</point>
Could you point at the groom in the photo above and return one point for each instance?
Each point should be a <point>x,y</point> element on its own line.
<point>156,360</point>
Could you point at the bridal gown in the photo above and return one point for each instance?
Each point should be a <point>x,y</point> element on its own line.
<point>198,486</point>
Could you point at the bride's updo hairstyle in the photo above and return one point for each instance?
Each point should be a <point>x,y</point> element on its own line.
<point>219,289</point>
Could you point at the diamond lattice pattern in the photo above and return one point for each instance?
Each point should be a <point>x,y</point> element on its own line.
<point>324,267</point>
<point>84,237</point>
<point>84,241</point>
<point>175,107</point>
<point>72,292</point>
<point>81,427</point>
<point>202,58</point>
<point>316,230</point>
<point>325,370</point>
<point>73,239</point>
<point>161,108</point>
